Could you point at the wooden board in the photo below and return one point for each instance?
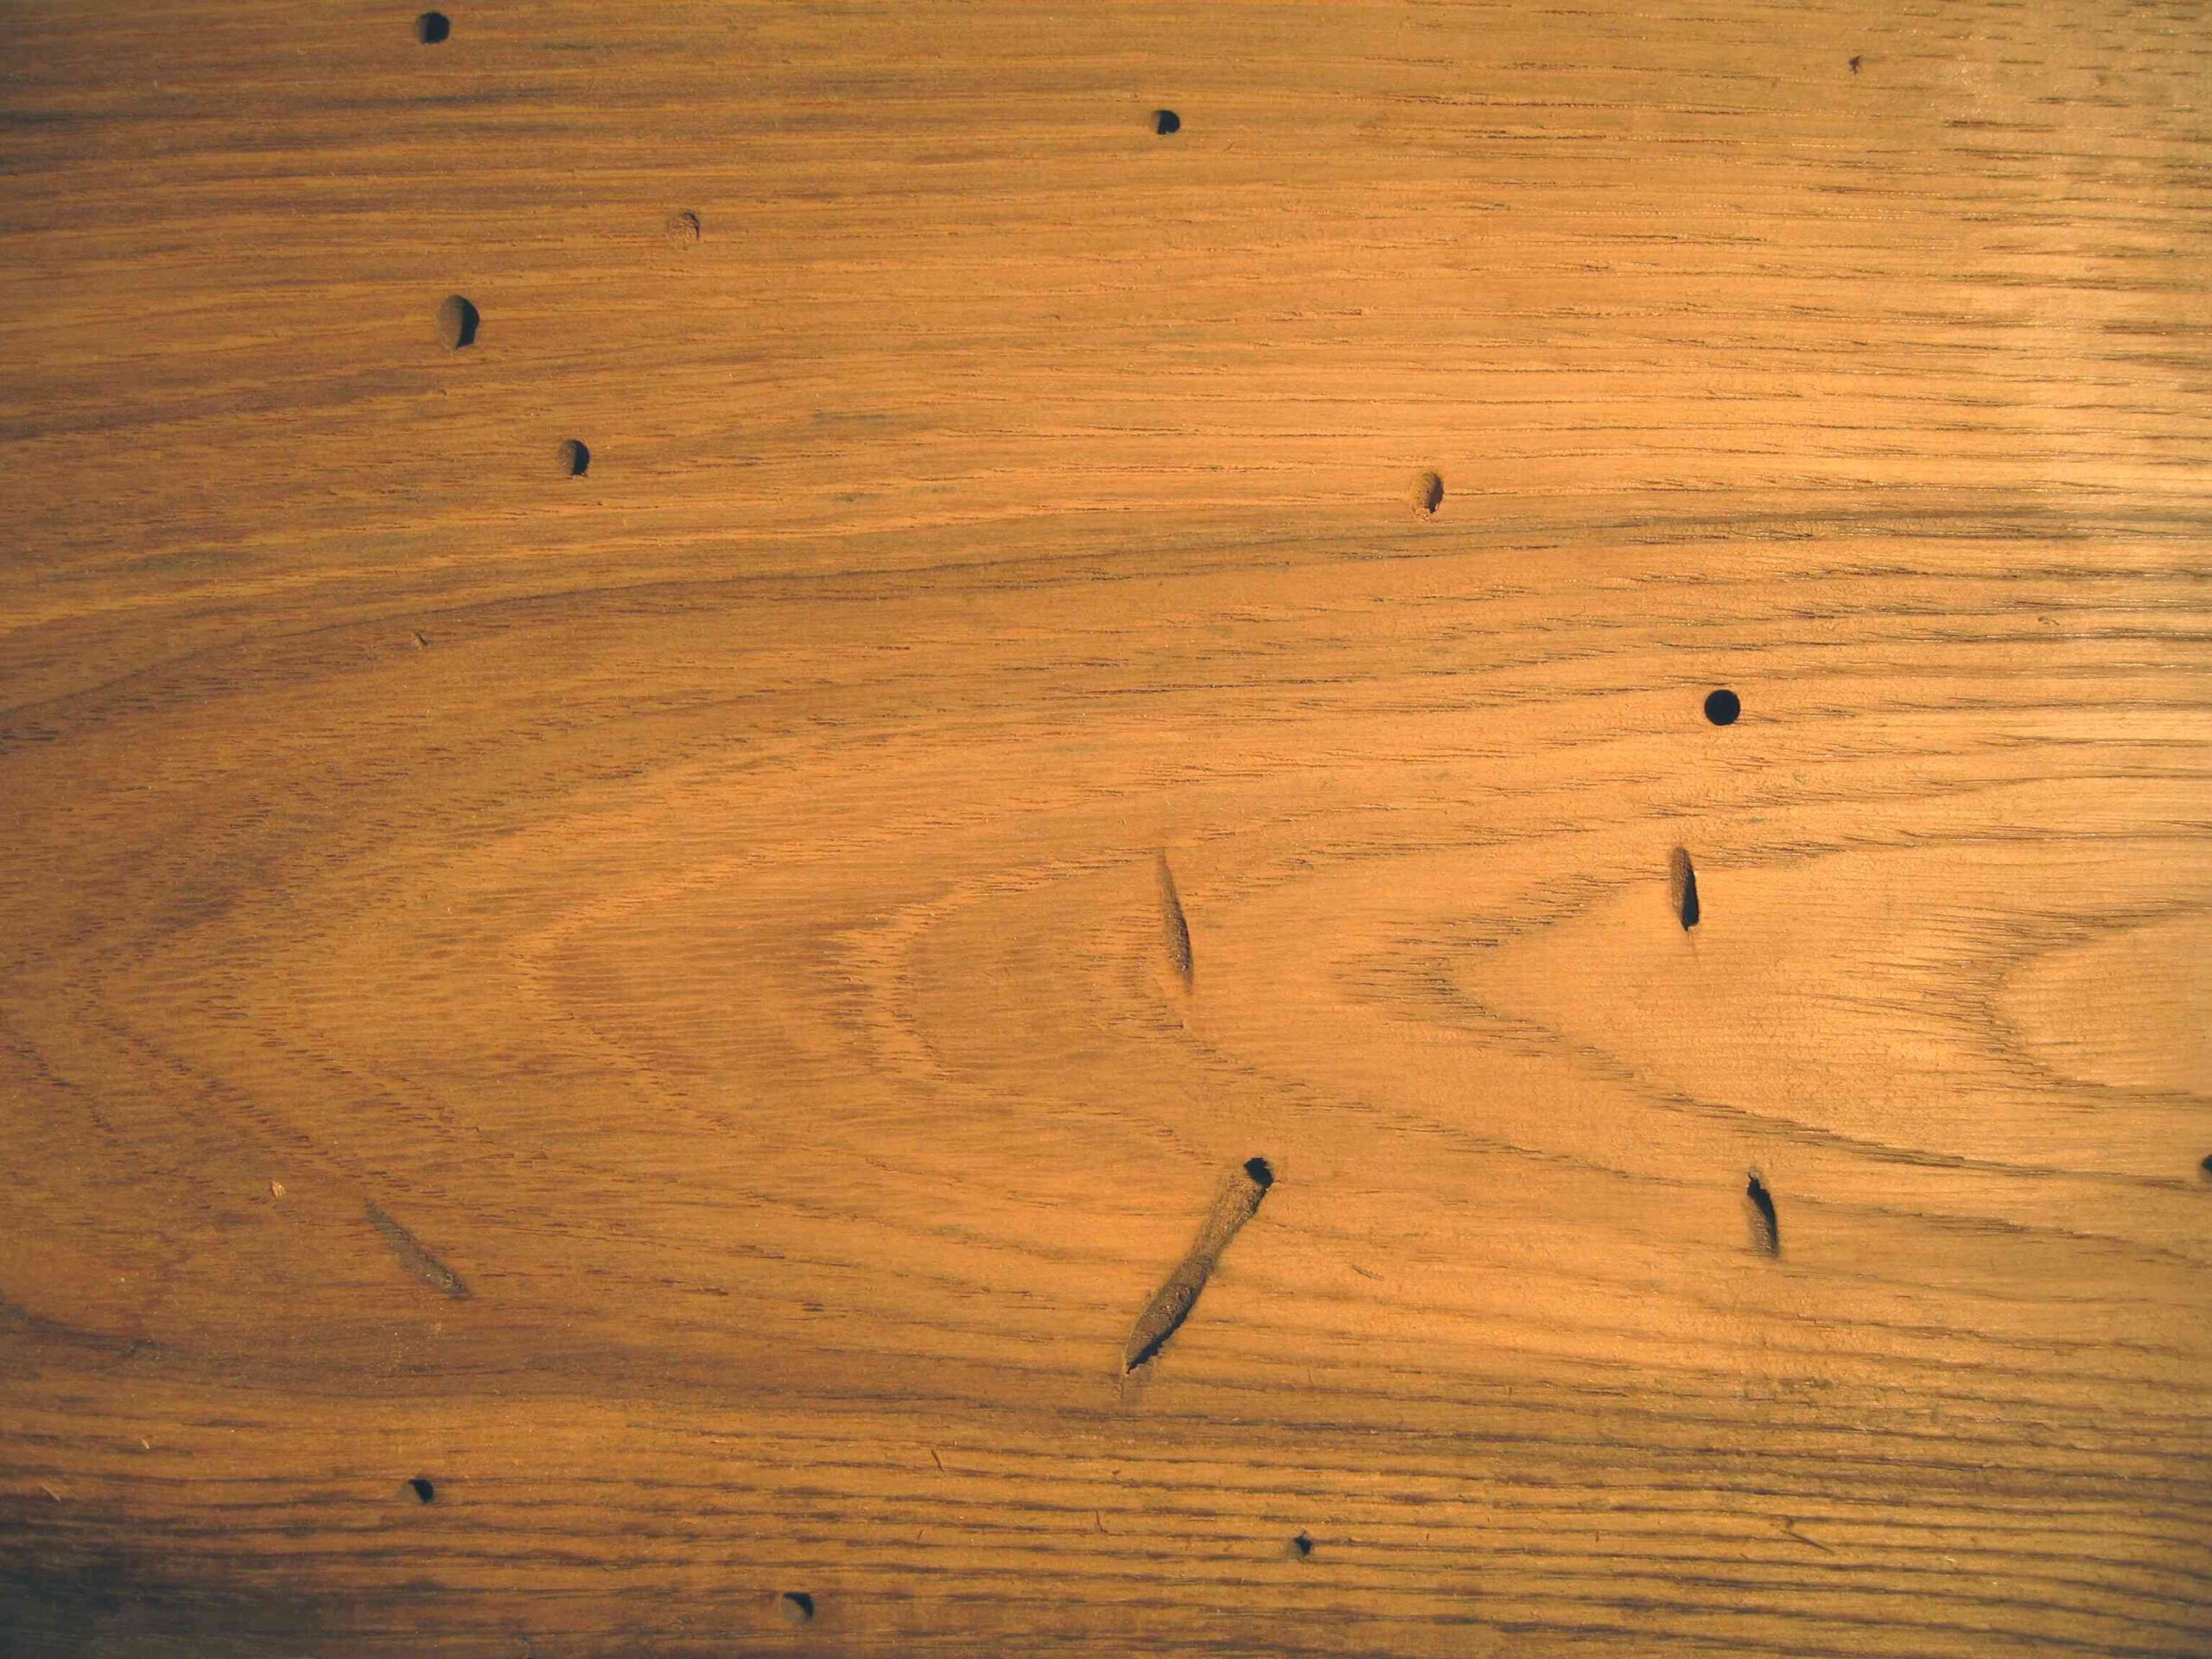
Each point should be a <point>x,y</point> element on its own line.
<point>648,1002</point>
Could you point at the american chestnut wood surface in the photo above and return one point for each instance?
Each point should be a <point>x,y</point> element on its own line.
<point>610,1065</point>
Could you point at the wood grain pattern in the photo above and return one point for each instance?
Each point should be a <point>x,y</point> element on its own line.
<point>649,1002</point>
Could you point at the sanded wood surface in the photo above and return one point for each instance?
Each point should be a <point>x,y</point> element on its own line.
<point>647,927</point>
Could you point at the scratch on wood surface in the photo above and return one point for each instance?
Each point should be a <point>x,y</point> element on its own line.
<point>412,1256</point>
<point>1171,1304</point>
<point>1173,924</point>
<point>1790,1530</point>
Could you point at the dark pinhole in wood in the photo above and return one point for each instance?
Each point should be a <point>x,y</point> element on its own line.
<point>424,1490</point>
<point>1167,122</point>
<point>457,320</point>
<point>1301,1546</point>
<point>576,457</point>
<point>1428,491</point>
<point>1260,1171</point>
<point>797,1606</point>
<point>1721,707</point>
<point>1854,66</point>
<point>432,28</point>
<point>1681,887</point>
<point>1766,1230</point>
<point>2207,1167</point>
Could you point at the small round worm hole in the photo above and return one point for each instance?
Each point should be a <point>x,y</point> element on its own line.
<point>1428,491</point>
<point>432,28</point>
<point>1302,1547</point>
<point>798,1606</point>
<point>1167,123</point>
<point>1721,707</point>
<point>683,228</point>
<point>424,1490</point>
<point>575,458</point>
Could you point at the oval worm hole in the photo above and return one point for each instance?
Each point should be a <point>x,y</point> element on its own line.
<point>457,321</point>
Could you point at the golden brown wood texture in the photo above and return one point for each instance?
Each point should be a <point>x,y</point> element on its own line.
<point>650,1002</point>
